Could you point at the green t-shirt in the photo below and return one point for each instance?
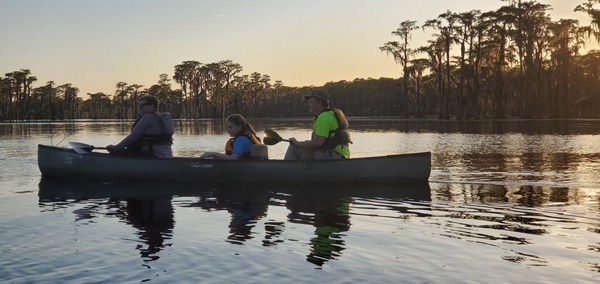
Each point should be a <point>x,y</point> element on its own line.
<point>326,123</point>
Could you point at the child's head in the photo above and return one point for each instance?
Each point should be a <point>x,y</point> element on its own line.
<point>237,125</point>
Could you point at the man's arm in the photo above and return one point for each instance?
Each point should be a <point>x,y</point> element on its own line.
<point>137,131</point>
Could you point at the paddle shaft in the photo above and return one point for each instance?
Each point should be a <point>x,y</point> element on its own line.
<point>82,148</point>
<point>89,149</point>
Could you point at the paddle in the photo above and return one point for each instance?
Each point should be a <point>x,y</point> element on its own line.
<point>82,148</point>
<point>272,138</point>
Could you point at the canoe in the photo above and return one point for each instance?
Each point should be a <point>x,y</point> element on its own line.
<point>59,162</point>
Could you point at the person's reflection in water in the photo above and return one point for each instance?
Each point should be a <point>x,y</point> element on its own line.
<point>154,220</point>
<point>330,216</point>
<point>152,216</point>
<point>243,219</point>
<point>245,211</point>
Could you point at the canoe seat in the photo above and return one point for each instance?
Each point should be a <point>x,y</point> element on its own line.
<point>259,152</point>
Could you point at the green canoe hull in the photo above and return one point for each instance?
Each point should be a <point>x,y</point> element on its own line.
<point>56,162</point>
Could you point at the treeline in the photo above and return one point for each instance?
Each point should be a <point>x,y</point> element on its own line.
<point>207,91</point>
<point>511,62</point>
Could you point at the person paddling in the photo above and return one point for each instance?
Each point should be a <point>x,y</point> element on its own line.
<point>151,134</point>
<point>330,139</point>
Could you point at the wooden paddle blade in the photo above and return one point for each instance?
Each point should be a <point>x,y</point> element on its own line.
<point>271,137</point>
<point>271,133</point>
<point>271,140</point>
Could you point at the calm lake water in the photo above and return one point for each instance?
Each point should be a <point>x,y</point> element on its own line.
<point>507,202</point>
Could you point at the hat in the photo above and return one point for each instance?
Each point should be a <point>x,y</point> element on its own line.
<point>318,94</point>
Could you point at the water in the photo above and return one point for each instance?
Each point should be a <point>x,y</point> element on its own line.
<point>507,201</point>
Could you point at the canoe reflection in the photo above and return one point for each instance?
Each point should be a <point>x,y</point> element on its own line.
<point>149,209</point>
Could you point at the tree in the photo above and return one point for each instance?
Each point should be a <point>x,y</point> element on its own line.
<point>416,69</point>
<point>134,94</point>
<point>46,105</point>
<point>188,75</point>
<point>567,38</point>
<point>530,21</point>
<point>229,70</point>
<point>401,53</point>
<point>445,25</point>
<point>168,98</point>
<point>435,51</point>
<point>70,95</point>
<point>594,14</point>
<point>98,105</point>
<point>465,33</point>
<point>498,22</point>
<point>19,91</point>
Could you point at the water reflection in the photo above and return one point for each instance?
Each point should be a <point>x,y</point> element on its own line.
<point>535,161</point>
<point>385,124</point>
<point>9,130</point>
<point>509,218</point>
<point>326,208</point>
<point>154,220</point>
<point>199,126</point>
<point>522,195</point>
<point>246,207</point>
<point>526,226</point>
<point>330,215</point>
<point>150,213</point>
<point>504,126</point>
<point>149,209</point>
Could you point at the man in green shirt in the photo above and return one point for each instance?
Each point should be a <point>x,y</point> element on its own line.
<point>324,128</point>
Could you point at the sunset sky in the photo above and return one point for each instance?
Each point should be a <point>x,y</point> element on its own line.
<point>95,44</point>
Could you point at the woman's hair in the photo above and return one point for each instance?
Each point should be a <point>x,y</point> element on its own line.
<point>151,100</point>
<point>239,120</point>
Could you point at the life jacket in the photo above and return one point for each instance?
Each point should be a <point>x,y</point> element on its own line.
<point>166,138</point>
<point>340,135</point>
<point>229,144</point>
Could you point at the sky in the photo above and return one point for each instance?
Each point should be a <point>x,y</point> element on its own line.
<point>94,44</point>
